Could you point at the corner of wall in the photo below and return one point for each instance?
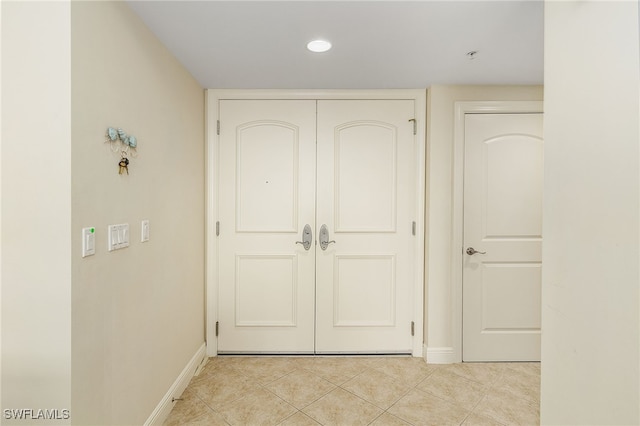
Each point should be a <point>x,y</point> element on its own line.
<point>166,404</point>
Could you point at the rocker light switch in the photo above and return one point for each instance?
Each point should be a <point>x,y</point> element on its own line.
<point>145,231</point>
<point>88,241</point>
<point>118,236</point>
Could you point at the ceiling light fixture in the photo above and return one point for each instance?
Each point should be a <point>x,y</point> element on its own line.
<point>318,46</point>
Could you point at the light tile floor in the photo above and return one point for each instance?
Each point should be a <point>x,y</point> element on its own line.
<point>358,391</point>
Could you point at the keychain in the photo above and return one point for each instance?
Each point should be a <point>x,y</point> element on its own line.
<point>124,163</point>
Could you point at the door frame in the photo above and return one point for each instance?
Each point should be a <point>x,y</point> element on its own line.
<point>457,248</point>
<point>212,98</point>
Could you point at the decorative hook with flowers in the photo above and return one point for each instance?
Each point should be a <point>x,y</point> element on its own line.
<point>123,143</point>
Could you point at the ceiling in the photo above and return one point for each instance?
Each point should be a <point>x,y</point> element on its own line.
<point>376,44</point>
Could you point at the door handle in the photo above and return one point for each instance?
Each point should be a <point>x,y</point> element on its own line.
<point>471,251</point>
<point>307,236</point>
<point>324,237</point>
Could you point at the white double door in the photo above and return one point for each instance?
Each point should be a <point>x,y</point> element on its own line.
<point>346,166</point>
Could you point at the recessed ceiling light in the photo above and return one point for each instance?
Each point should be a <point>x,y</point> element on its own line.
<point>318,46</point>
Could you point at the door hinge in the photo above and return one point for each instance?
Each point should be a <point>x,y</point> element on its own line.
<point>217,328</point>
<point>218,229</point>
<point>415,125</point>
<point>413,328</point>
<point>413,228</point>
<point>218,127</point>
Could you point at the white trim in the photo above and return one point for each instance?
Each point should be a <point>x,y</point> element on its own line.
<point>462,108</point>
<point>211,272</point>
<point>318,94</point>
<point>439,355</point>
<point>420,97</point>
<point>214,96</point>
<point>164,407</point>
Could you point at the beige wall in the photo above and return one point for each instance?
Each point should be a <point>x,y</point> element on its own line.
<point>107,335</point>
<point>590,297</point>
<point>36,206</point>
<point>138,313</point>
<point>439,297</point>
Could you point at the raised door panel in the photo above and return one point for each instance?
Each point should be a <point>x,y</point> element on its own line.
<point>267,177</point>
<point>512,171</point>
<point>517,283</point>
<point>364,277</point>
<point>261,278</point>
<point>365,177</point>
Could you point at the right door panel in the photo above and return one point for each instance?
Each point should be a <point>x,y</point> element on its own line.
<point>365,197</point>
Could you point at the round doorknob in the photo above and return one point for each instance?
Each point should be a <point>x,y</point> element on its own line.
<point>471,251</point>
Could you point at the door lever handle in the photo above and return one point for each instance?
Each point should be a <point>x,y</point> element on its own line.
<point>471,251</point>
<point>324,237</point>
<point>307,236</point>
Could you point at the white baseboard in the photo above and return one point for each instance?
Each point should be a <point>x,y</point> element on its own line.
<point>163,409</point>
<point>439,355</point>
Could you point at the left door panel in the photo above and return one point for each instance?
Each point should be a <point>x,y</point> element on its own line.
<point>267,196</point>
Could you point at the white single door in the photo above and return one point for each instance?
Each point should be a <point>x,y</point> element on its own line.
<point>366,200</point>
<point>266,197</point>
<point>502,237</point>
<point>355,296</point>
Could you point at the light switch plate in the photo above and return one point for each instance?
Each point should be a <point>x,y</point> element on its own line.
<point>88,241</point>
<point>145,231</point>
<point>118,236</point>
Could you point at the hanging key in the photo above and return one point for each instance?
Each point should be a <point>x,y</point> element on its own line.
<point>124,165</point>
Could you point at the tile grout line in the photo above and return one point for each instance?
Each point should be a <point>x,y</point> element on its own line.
<point>299,410</point>
<point>414,387</point>
<point>210,408</point>
<point>253,373</point>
